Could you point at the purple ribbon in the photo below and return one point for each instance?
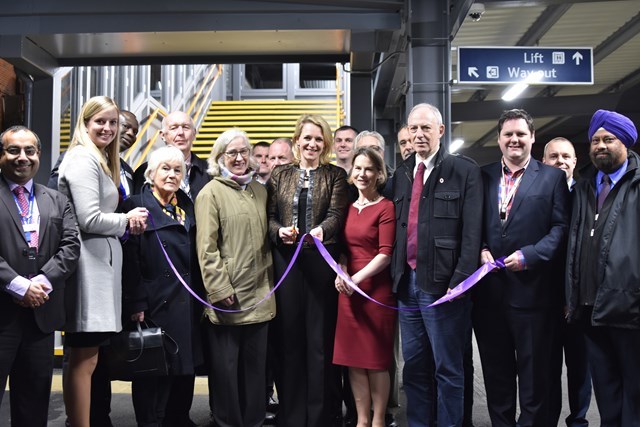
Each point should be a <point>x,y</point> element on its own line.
<point>451,294</point>
<point>461,288</point>
<point>196,296</point>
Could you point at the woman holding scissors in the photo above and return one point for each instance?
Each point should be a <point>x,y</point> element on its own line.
<point>308,196</point>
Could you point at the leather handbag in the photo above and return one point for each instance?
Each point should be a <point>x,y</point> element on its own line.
<point>141,351</point>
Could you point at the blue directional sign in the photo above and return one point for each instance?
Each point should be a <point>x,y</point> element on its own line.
<point>533,65</point>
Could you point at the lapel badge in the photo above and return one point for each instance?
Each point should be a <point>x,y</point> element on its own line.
<point>441,180</point>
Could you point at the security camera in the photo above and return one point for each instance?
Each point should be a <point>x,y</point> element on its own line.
<point>476,11</point>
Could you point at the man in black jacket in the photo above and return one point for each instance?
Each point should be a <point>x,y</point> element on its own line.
<point>178,129</point>
<point>437,242</point>
<point>603,269</point>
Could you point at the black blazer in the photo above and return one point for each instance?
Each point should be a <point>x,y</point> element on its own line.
<point>58,252</point>
<point>537,225</point>
<point>449,222</point>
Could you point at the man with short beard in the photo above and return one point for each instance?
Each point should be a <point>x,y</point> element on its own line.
<point>603,266</point>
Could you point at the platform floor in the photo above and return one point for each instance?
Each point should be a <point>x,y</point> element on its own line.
<point>122,410</point>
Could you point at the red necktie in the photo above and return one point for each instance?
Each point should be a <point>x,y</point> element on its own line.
<point>24,211</point>
<point>606,188</point>
<point>412,226</point>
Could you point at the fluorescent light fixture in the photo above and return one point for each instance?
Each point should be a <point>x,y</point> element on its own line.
<point>516,90</point>
<point>456,144</point>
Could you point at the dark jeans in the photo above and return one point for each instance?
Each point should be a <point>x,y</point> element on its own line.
<point>433,340</point>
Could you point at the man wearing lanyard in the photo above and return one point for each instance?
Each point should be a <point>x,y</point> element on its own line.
<point>526,214</point>
<point>602,266</point>
<point>39,249</point>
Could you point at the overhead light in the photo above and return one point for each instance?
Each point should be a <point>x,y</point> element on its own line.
<point>456,144</point>
<point>514,91</point>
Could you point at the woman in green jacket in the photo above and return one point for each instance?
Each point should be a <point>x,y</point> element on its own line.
<point>235,261</point>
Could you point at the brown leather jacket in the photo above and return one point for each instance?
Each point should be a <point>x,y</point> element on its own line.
<point>326,200</point>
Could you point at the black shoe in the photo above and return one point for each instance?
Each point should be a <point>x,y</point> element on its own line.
<point>272,405</point>
<point>390,420</point>
<point>337,421</point>
<point>270,419</point>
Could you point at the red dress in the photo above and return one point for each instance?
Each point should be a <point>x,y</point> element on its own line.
<point>365,331</point>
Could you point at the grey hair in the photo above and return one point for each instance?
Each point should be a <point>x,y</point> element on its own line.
<point>166,154</point>
<point>371,133</point>
<point>220,146</point>
<point>434,110</point>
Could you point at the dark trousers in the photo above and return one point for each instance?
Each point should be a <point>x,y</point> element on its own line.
<point>614,357</point>
<point>26,357</point>
<point>180,400</point>
<point>569,340</point>
<point>515,344</point>
<point>237,373</point>
<point>151,401</point>
<point>467,419</point>
<point>306,321</point>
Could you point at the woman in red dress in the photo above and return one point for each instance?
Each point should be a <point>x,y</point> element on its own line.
<point>365,330</point>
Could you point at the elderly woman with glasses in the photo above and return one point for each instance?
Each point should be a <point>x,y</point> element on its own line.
<point>308,196</point>
<point>151,289</point>
<point>235,260</point>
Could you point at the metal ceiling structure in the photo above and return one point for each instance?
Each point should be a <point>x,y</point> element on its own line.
<point>374,36</point>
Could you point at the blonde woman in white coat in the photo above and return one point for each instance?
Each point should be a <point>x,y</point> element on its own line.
<point>90,177</point>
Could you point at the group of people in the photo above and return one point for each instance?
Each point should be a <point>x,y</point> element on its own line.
<point>197,246</point>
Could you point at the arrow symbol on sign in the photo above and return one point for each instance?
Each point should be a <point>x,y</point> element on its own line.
<point>577,57</point>
<point>472,72</point>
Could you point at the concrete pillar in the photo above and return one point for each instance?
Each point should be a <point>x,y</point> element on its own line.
<point>429,58</point>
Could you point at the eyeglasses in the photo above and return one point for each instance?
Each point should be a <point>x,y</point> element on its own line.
<point>15,151</point>
<point>607,140</point>
<point>234,153</point>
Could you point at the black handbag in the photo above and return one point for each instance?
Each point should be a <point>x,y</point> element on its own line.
<point>140,352</point>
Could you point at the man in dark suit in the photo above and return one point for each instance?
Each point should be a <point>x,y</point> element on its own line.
<point>179,130</point>
<point>39,249</point>
<point>438,232</point>
<point>526,214</point>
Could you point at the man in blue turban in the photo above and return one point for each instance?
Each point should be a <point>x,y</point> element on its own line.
<point>603,266</point>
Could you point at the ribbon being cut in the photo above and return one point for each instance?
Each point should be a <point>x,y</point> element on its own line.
<point>450,295</point>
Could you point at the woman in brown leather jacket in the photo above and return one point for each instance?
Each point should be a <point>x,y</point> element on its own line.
<point>308,196</point>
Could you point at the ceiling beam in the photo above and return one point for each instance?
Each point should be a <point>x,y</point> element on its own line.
<point>27,56</point>
<point>537,107</point>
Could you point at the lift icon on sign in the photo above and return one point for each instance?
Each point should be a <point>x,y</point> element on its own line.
<point>557,58</point>
<point>493,72</point>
